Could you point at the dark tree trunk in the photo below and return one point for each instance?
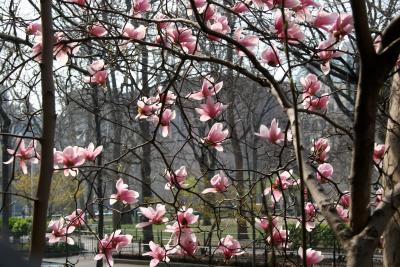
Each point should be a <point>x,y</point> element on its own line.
<point>99,162</point>
<point>39,223</point>
<point>145,164</point>
<point>6,204</point>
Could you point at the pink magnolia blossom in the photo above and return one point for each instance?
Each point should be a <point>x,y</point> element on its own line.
<point>185,217</point>
<point>76,218</point>
<point>77,2</point>
<point>98,75</point>
<point>90,153</point>
<point>200,3</point>
<point>24,154</point>
<point>273,134</point>
<point>314,103</point>
<point>270,56</point>
<point>183,38</point>
<point>281,183</point>
<point>248,41</point>
<point>187,242</point>
<point>379,153</point>
<point>343,25</point>
<point>327,52</point>
<point>325,20</point>
<point>345,199</point>
<point>166,117</point>
<point>139,7</point>
<point>208,88</point>
<point>343,213</point>
<point>264,224</point>
<point>155,216</point>
<point>97,29</point>
<point>230,247</point>
<point>158,253</point>
<point>110,243</point>
<point>320,149</point>
<point>60,232</point>
<point>310,212</point>
<point>123,194</point>
<point>146,108</point>
<point>61,50</point>
<point>176,179</point>
<point>71,158</point>
<point>164,97</point>
<point>220,24</point>
<point>239,7</point>
<point>210,110</point>
<point>311,85</point>
<point>312,256</point>
<point>208,12</point>
<point>216,136</point>
<point>131,32</point>
<point>278,238</point>
<point>294,34</point>
<point>34,28</point>
<point>324,172</point>
<point>260,3</point>
<point>219,183</point>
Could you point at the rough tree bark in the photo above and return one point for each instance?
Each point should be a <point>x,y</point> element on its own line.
<point>38,241</point>
<point>391,168</point>
<point>6,204</point>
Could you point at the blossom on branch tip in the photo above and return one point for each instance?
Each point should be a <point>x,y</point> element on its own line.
<point>60,232</point>
<point>210,110</point>
<point>282,182</point>
<point>208,88</point>
<point>324,172</point>
<point>230,247</point>
<point>123,194</point>
<point>219,183</point>
<point>138,33</point>
<point>90,153</point>
<point>155,216</point>
<point>76,218</point>
<point>139,7</point>
<point>273,134</point>
<point>24,154</point>
<point>98,74</point>
<point>312,256</point>
<point>176,179</point>
<point>270,56</point>
<point>158,253</point>
<point>97,29</point>
<point>216,136</point>
<point>108,244</point>
<point>71,158</point>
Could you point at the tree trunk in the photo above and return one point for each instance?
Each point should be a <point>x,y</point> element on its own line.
<point>6,204</point>
<point>391,257</point>
<point>145,164</point>
<point>39,223</point>
<point>360,254</point>
<point>99,162</point>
